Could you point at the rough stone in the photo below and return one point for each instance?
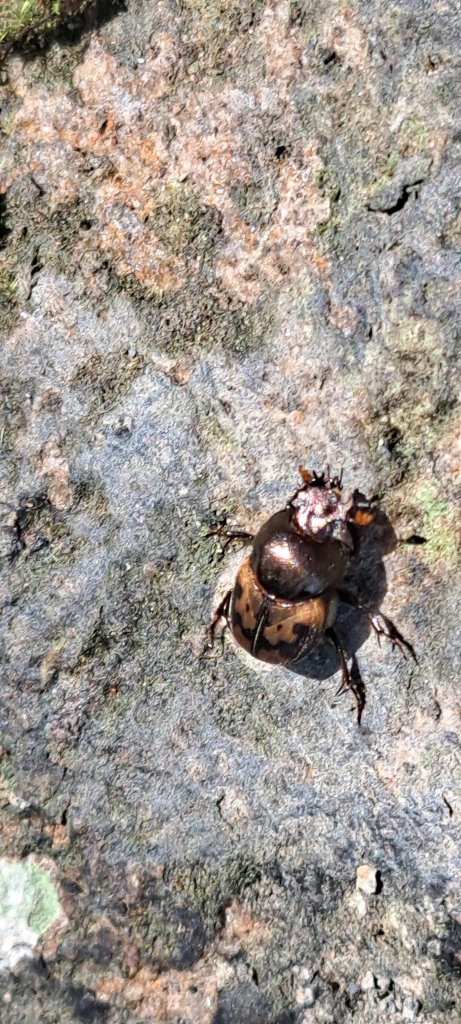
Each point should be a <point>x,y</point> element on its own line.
<point>367,879</point>
<point>229,245</point>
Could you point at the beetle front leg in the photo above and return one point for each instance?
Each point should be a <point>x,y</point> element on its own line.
<point>222,612</point>
<point>390,631</point>
<point>230,535</point>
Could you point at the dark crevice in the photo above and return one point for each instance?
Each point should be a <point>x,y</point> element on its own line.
<point>330,57</point>
<point>399,203</point>
<point>448,804</point>
<point>35,268</point>
<point>4,229</point>
<point>40,190</point>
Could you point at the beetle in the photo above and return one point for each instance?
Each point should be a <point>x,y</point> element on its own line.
<point>286,592</point>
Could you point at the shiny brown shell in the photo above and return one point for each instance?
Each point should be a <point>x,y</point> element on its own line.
<point>275,630</point>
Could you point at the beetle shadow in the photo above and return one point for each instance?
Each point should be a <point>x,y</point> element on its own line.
<point>366,579</point>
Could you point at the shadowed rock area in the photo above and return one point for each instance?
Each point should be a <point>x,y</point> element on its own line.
<point>229,244</point>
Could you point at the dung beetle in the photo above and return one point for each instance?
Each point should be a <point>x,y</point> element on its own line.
<point>286,593</point>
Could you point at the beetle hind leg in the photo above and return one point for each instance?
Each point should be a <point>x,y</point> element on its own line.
<point>389,631</point>
<point>222,612</point>
<point>350,681</point>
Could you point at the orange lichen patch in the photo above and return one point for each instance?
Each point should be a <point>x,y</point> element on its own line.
<point>137,149</point>
<point>348,40</point>
<point>450,717</point>
<point>282,44</point>
<point>146,260</point>
<point>343,317</point>
<point>55,467</point>
<point>96,78</point>
<point>280,252</point>
<point>58,835</point>
<point>189,996</point>
<point>242,927</point>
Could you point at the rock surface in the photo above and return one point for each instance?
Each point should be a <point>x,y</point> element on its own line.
<point>229,244</point>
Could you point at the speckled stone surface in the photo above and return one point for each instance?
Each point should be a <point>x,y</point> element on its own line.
<point>229,244</point>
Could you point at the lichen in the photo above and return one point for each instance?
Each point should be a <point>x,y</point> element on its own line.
<point>440,527</point>
<point>29,905</point>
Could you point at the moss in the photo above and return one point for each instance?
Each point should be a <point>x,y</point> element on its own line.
<point>440,527</point>
<point>7,776</point>
<point>218,20</point>
<point>255,326</point>
<point>217,34</point>
<point>413,394</point>
<point>254,202</point>
<point>178,217</point>
<point>211,890</point>
<point>192,321</point>
<point>14,394</point>
<point>8,290</point>
<point>20,19</point>
<point>103,380</point>
<point>17,16</point>
<point>90,495</point>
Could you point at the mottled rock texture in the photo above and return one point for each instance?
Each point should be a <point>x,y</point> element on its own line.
<point>229,245</point>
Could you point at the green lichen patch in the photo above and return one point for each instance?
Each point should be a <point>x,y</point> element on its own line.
<point>440,527</point>
<point>29,905</point>
<point>415,134</point>
<point>44,902</point>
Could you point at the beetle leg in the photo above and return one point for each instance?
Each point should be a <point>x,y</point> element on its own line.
<point>348,683</point>
<point>222,612</point>
<point>390,631</point>
<point>230,535</point>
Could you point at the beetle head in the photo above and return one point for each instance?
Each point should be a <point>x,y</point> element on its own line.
<point>319,510</point>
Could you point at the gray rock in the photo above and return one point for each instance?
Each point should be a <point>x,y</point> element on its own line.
<point>229,246</point>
